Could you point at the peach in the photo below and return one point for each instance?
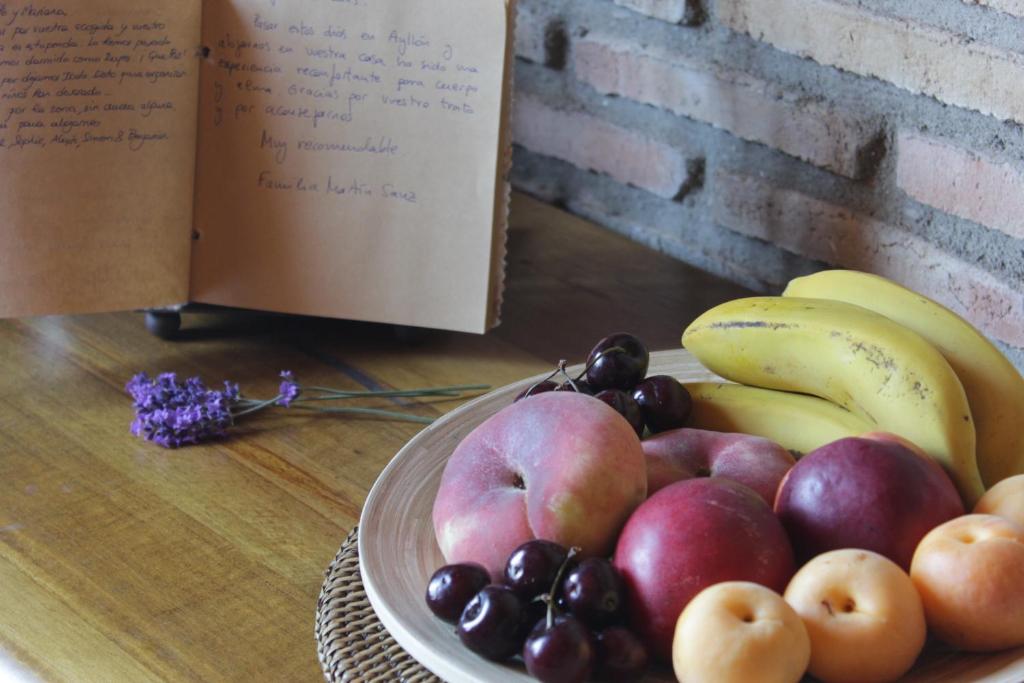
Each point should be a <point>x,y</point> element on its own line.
<point>560,466</point>
<point>1005,499</point>
<point>688,453</point>
<point>736,632</point>
<point>862,613</point>
<point>970,574</point>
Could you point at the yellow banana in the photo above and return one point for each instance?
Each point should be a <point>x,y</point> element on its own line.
<point>866,363</point>
<point>797,422</point>
<point>994,388</point>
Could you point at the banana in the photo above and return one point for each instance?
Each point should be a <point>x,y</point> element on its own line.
<point>866,363</point>
<point>994,388</point>
<point>797,422</point>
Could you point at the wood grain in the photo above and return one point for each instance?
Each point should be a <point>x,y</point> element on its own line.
<point>120,561</point>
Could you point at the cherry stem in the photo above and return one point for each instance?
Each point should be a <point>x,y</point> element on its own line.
<point>561,369</point>
<point>551,376</point>
<point>550,597</point>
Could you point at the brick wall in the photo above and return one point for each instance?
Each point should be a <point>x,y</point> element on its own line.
<point>764,139</point>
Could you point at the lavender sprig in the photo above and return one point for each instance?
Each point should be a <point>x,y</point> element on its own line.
<point>173,414</point>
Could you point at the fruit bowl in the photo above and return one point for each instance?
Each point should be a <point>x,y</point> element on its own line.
<point>398,553</point>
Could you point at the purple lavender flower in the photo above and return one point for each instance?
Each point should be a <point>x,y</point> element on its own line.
<point>289,389</point>
<point>174,414</point>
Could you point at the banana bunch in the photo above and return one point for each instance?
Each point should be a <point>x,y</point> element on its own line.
<point>797,422</point>
<point>882,357</point>
<point>994,387</point>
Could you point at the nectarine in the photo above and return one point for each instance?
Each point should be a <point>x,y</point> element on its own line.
<point>688,536</point>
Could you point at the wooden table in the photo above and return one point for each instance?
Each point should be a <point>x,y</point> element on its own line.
<point>121,561</point>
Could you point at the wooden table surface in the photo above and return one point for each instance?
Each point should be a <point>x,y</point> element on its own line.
<point>121,561</point>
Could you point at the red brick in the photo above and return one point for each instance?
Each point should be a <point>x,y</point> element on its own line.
<point>961,182</point>
<point>912,55</point>
<point>827,232</point>
<point>592,143</point>
<point>747,107</point>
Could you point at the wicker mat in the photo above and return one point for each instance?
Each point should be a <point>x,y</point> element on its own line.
<point>352,644</point>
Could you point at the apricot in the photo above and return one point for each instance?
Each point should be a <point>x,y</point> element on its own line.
<point>864,618</point>
<point>970,574</point>
<point>737,632</point>
<point>1005,499</point>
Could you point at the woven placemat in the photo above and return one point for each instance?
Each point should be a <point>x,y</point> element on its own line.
<point>351,642</point>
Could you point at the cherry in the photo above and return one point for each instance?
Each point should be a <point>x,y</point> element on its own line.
<point>533,566</point>
<point>618,361</point>
<point>538,388</point>
<point>452,587</point>
<point>492,623</point>
<point>621,656</point>
<point>578,385</point>
<point>594,592</point>
<point>560,651</point>
<point>664,402</point>
<point>624,404</point>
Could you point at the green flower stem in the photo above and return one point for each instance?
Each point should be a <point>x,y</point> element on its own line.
<point>377,412</point>
<point>250,405</point>
<point>253,406</point>
<point>431,391</point>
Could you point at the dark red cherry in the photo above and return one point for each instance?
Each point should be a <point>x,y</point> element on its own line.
<point>595,593</point>
<point>532,567</point>
<point>560,653</point>
<point>664,403</point>
<point>618,361</point>
<point>539,388</point>
<point>452,587</point>
<point>624,404</point>
<point>621,656</point>
<point>492,623</point>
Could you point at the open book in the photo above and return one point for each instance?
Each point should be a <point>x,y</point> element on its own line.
<point>341,158</point>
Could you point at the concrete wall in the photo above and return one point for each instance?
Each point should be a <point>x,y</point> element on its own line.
<point>763,139</point>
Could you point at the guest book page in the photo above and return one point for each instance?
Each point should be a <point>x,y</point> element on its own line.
<point>97,153</point>
<point>348,159</point>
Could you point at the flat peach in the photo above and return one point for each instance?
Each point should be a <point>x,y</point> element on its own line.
<point>864,618</point>
<point>737,632</point>
<point>1005,499</point>
<point>970,574</point>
